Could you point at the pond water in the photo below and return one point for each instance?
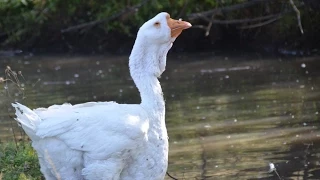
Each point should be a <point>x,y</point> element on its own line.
<point>228,117</point>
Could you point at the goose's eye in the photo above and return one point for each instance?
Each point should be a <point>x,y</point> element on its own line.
<point>157,24</point>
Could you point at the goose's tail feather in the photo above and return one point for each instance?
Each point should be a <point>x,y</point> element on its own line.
<point>28,119</point>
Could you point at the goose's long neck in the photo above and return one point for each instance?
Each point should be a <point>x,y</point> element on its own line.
<point>146,63</point>
<point>150,92</point>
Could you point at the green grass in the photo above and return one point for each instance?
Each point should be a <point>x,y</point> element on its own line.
<point>18,162</point>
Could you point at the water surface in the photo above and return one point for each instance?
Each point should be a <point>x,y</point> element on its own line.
<point>228,117</point>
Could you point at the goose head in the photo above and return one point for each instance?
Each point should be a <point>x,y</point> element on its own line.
<point>162,29</point>
<point>154,40</point>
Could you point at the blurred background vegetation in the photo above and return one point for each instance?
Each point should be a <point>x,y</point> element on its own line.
<point>18,162</point>
<point>99,25</point>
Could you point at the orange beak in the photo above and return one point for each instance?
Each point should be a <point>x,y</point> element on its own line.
<point>177,26</point>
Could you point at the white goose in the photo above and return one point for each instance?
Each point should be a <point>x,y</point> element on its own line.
<point>106,140</point>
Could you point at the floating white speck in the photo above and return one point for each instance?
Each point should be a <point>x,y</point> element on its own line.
<point>303,65</point>
<point>207,126</point>
<point>239,68</point>
<point>67,82</point>
<point>76,75</point>
<point>57,68</point>
<point>271,167</point>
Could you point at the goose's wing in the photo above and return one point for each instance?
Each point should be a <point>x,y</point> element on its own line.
<point>100,129</point>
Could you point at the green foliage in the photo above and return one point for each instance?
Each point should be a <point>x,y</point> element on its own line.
<point>29,21</point>
<point>25,20</point>
<point>18,163</point>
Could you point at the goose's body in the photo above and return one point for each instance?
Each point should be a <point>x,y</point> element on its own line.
<point>106,140</point>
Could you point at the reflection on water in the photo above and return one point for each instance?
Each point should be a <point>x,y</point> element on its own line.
<point>227,117</point>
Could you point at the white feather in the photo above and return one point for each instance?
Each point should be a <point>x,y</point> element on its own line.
<point>106,140</point>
